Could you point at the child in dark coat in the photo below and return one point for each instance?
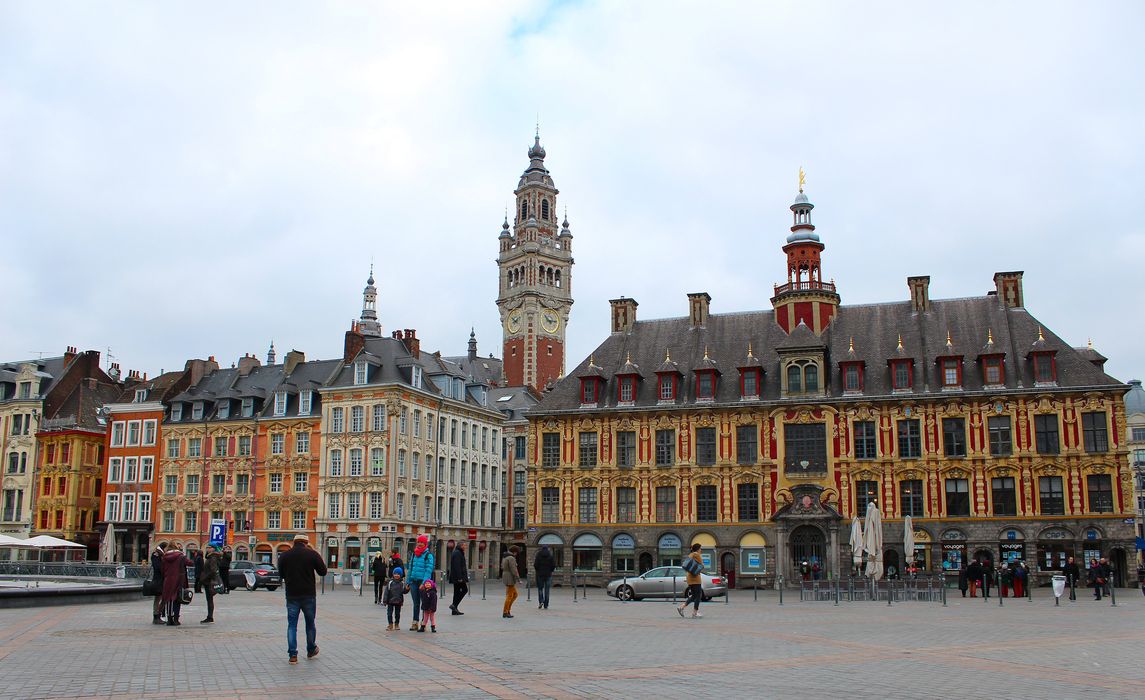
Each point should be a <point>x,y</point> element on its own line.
<point>428,605</point>
<point>392,597</point>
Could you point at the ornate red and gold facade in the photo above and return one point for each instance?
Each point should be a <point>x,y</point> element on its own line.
<point>760,435</point>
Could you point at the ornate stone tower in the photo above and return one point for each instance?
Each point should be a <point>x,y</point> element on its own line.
<point>806,297</point>
<point>535,289</point>
<point>368,323</point>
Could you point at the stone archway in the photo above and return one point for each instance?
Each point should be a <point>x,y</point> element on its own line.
<point>806,528</point>
<point>807,543</point>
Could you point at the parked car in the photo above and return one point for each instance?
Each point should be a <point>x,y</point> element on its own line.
<point>252,575</point>
<point>657,583</point>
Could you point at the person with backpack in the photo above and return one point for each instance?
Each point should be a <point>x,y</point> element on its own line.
<point>393,594</point>
<point>420,569</point>
<point>693,568</point>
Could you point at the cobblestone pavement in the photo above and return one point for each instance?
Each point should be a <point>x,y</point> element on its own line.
<point>590,649</point>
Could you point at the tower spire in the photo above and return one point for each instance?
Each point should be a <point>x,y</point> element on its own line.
<point>368,323</point>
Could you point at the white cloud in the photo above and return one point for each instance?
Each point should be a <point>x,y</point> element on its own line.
<point>179,181</point>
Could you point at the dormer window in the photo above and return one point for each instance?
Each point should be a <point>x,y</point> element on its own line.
<point>140,395</point>
<point>197,410</point>
<point>176,412</point>
<point>224,409</point>
<point>280,403</point>
<point>705,385</point>
<point>902,375</point>
<point>305,398</point>
<point>415,377</point>
<point>589,390</point>
<point>950,372</point>
<point>993,371</point>
<point>852,377</point>
<point>626,389</point>
<point>248,407</point>
<point>749,382</point>
<point>361,372</point>
<point>667,387</point>
<point>1045,368</point>
<point>802,377</point>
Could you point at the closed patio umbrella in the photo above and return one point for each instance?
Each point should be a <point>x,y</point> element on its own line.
<point>107,547</point>
<point>856,542</point>
<point>908,539</point>
<point>873,541</point>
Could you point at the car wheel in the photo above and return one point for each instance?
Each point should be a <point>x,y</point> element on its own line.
<point>272,588</point>
<point>625,592</point>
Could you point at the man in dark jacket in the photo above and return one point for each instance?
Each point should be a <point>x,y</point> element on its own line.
<point>298,566</point>
<point>974,577</point>
<point>987,577</point>
<point>544,564</point>
<point>378,570</point>
<point>157,582</point>
<point>225,571</point>
<point>199,562</point>
<point>1072,574</point>
<point>395,562</point>
<point>458,576</point>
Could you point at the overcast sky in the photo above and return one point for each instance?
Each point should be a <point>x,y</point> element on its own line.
<point>181,180</point>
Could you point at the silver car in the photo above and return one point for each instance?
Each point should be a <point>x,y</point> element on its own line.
<point>658,583</point>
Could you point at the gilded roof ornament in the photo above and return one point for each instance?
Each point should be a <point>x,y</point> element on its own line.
<point>989,336</point>
<point>900,342</point>
<point>1041,336</point>
<point>802,178</point>
<point>749,349</point>
<point>851,345</point>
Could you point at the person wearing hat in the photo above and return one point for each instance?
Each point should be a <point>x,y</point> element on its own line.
<point>298,566</point>
<point>420,569</point>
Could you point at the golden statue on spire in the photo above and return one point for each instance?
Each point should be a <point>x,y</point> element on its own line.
<point>802,178</point>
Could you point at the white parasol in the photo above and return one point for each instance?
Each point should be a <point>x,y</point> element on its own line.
<point>107,547</point>
<point>873,541</point>
<point>856,542</point>
<point>908,539</point>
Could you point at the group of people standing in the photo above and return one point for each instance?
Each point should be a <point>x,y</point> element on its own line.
<point>172,588</point>
<point>982,575</point>
<point>391,585</point>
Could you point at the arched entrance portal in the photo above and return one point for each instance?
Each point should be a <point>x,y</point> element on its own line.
<point>645,561</point>
<point>808,544</point>
<point>728,568</point>
<point>891,567</point>
<point>1118,560</point>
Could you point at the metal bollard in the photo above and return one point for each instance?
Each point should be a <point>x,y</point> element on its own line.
<point>574,587</point>
<point>781,589</point>
<point>484,578</point>
<point>1029,586</point>
<point>527,587</point>
<point>943,586</point>
<point>837,583</point>
<point>625,585</point>
<point>1112,595</point>
<point>673,590</point>
<point>755,590</point>
<point>1000,596</point>
<point>889,592</point>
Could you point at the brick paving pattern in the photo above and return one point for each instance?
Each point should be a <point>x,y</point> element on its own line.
<point>594,648</point>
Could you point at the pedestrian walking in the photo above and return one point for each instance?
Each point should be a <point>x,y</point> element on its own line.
<point>298,566</point>
<point>1095,578</point>
<point>378,569</point>
<point>157,611</point>
<point>459,577</point>
<point>1107,574</point>
<point>199,562</point>
<point>1072,574</point>
<point>428,605</point>
<point>509,577</point>
<point>212,565</point>
<point>544,564</point>
<point>174,566</point>
<point>963,579</point>
<point>1021,576</point>
<point>420,569</point>
<point>693,567</point>
<point>393,595</point>
<point>225,571</point>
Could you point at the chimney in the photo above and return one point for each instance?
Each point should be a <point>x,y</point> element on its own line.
<point>199,369</point>
<point>246,363</point>
<point>114,373</point>
<point>293,359</point>
<point>413,345</point>
<point>698,308</point>
<point>355,343</point>
<point>623,314</point>
<point>69,355</point>
<point>919,293</point>
<point>1009,288</point>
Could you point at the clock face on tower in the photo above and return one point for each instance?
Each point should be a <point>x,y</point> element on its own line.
<point>513,321</point>
<point>550,320</point>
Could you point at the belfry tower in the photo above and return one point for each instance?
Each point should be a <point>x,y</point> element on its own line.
<point>806,297</point>
<point>535,289</point>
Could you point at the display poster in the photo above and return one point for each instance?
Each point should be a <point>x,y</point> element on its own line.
<point>953,554</point>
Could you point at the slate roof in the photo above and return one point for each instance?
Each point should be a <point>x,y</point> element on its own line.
<point>513,402</point>
<point>875,328</point>
<point>481,370</point>
<point>1135,398</point>
<point>157,388</point>
<point>49,368</point>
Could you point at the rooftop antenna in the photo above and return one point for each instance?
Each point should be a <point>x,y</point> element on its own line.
<point>110,357</point>
<point>39,353</point>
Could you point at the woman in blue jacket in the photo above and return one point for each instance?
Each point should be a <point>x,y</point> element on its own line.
<point>420,569</point>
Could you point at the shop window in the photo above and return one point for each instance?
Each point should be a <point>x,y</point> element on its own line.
<point>957,497</point>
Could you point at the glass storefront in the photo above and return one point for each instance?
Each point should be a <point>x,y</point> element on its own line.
<point>624,554</point>
<point>332,552</point>
<point>587,550</point>
<point>752,554</point>
<point>556,546</point>
<point>953,555</point>
<point>670,549</point>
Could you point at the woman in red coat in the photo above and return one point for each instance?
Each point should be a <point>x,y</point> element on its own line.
<point>174,565</point>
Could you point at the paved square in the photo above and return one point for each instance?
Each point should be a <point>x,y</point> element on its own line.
<point>590,649</point>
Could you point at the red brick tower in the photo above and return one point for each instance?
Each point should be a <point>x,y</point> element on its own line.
<point>805,297</point>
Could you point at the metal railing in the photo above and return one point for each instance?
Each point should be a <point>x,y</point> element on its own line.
<point>74,569</point>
